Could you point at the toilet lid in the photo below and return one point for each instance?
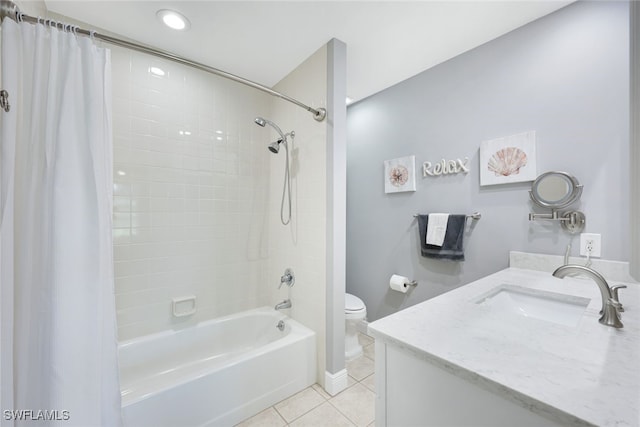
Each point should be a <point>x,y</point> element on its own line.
<point>352,303</point>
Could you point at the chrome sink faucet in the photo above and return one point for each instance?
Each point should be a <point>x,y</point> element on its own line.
<point>284,304</point>
<point>610,306</point>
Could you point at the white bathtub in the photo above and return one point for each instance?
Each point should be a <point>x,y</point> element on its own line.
<point>216,373</point>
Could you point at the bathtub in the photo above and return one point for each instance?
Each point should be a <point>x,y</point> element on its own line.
<point>216,373</point>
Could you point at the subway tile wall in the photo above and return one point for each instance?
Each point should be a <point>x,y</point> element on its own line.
<point>191,188</point>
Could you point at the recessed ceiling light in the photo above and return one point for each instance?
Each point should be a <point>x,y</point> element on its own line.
<point>157,71</point>
<point>173,19</point>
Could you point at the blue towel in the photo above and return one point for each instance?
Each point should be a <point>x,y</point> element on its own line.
<point>451,248</point>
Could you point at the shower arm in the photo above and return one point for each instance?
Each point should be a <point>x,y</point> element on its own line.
<point>10,9</point>
<point>277,129</point>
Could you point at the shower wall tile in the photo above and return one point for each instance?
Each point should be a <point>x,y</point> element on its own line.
<point>191,178</point>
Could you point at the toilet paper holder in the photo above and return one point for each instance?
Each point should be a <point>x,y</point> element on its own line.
<point>401,283</point>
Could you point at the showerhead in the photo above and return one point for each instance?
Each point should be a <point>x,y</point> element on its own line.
<point>274,147</point>
<point>262,122</point>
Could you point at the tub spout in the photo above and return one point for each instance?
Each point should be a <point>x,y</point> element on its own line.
<point>284,304</point>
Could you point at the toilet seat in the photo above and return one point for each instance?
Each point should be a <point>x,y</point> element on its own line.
<point>353,304</point>
<point>354,313</point>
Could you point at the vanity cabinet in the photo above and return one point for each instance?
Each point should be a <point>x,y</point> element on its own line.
<point>468,358</point>
<point>412,391</point>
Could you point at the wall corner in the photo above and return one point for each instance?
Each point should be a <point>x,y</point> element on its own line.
<point>336,203</point>
<point>634,137</point>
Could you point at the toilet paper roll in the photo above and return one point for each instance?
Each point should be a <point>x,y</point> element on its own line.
<point>399,283</point>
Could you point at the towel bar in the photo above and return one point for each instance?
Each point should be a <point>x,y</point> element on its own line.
<point>475,215</point>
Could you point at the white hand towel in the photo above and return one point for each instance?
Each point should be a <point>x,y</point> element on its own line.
<point>437,228</point>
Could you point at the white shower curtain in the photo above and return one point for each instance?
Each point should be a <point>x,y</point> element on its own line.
<point>59,344</point>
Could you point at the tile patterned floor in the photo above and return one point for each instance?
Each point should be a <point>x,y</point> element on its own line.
<point>313,407</point>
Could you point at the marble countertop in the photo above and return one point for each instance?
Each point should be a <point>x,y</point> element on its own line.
<point>588,374</point>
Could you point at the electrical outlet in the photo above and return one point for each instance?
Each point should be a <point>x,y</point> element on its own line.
<point>590,244</point>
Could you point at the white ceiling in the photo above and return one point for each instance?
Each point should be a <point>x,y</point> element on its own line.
<point>387,42</point>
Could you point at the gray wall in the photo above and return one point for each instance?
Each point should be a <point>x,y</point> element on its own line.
<point>566,76</point>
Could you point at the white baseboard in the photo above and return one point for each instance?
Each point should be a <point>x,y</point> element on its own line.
<point>335,383</point>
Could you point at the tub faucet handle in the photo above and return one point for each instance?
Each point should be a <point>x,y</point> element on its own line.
<point>288,279</point>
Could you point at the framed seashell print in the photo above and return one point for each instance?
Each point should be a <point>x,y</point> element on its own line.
<point>400,174</point>
<point>508,159</point>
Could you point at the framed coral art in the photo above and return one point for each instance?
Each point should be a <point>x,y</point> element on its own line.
<point>400,174</point>
<point>508,159</point>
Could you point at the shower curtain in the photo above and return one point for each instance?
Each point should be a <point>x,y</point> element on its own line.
<point>59,344</point>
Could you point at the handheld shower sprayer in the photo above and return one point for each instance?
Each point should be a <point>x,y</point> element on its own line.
<point>274,147</point>
<point>262,122</point>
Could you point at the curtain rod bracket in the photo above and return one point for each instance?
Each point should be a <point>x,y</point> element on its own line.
<point>319,114</point>
<point>8,8</point>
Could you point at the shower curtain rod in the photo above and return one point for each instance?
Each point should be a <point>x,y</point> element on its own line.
<point>11,10</point>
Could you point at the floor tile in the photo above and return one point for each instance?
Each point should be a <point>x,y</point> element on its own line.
<point>299,404</point>
<point>370,351</point>
<point>317,387</point>
<point>267,418</point>
<point>370,382</point>
<point>364,339</point>
<point>357,403</point>
<point>351,381</point>
<point>360,368</point>
<point>324,415</point>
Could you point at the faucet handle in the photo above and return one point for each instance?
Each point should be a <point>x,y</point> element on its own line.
<point>615,304</point>
<point>614,295</point>
<point>611,314</point>
<point>289,279</point>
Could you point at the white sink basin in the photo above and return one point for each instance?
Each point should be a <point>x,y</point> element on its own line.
<point>548,306</point>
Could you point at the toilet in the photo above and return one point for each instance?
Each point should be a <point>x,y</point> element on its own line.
<point>354,312</point>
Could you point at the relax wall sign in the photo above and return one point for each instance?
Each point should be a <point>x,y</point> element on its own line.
<point>400,173</point>
<point>445,167</point>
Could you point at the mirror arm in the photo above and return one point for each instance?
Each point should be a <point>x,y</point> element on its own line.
<point>572,221</point>
<point>553,216</point>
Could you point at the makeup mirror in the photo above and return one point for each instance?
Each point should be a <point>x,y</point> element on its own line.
<point>556,190</point>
